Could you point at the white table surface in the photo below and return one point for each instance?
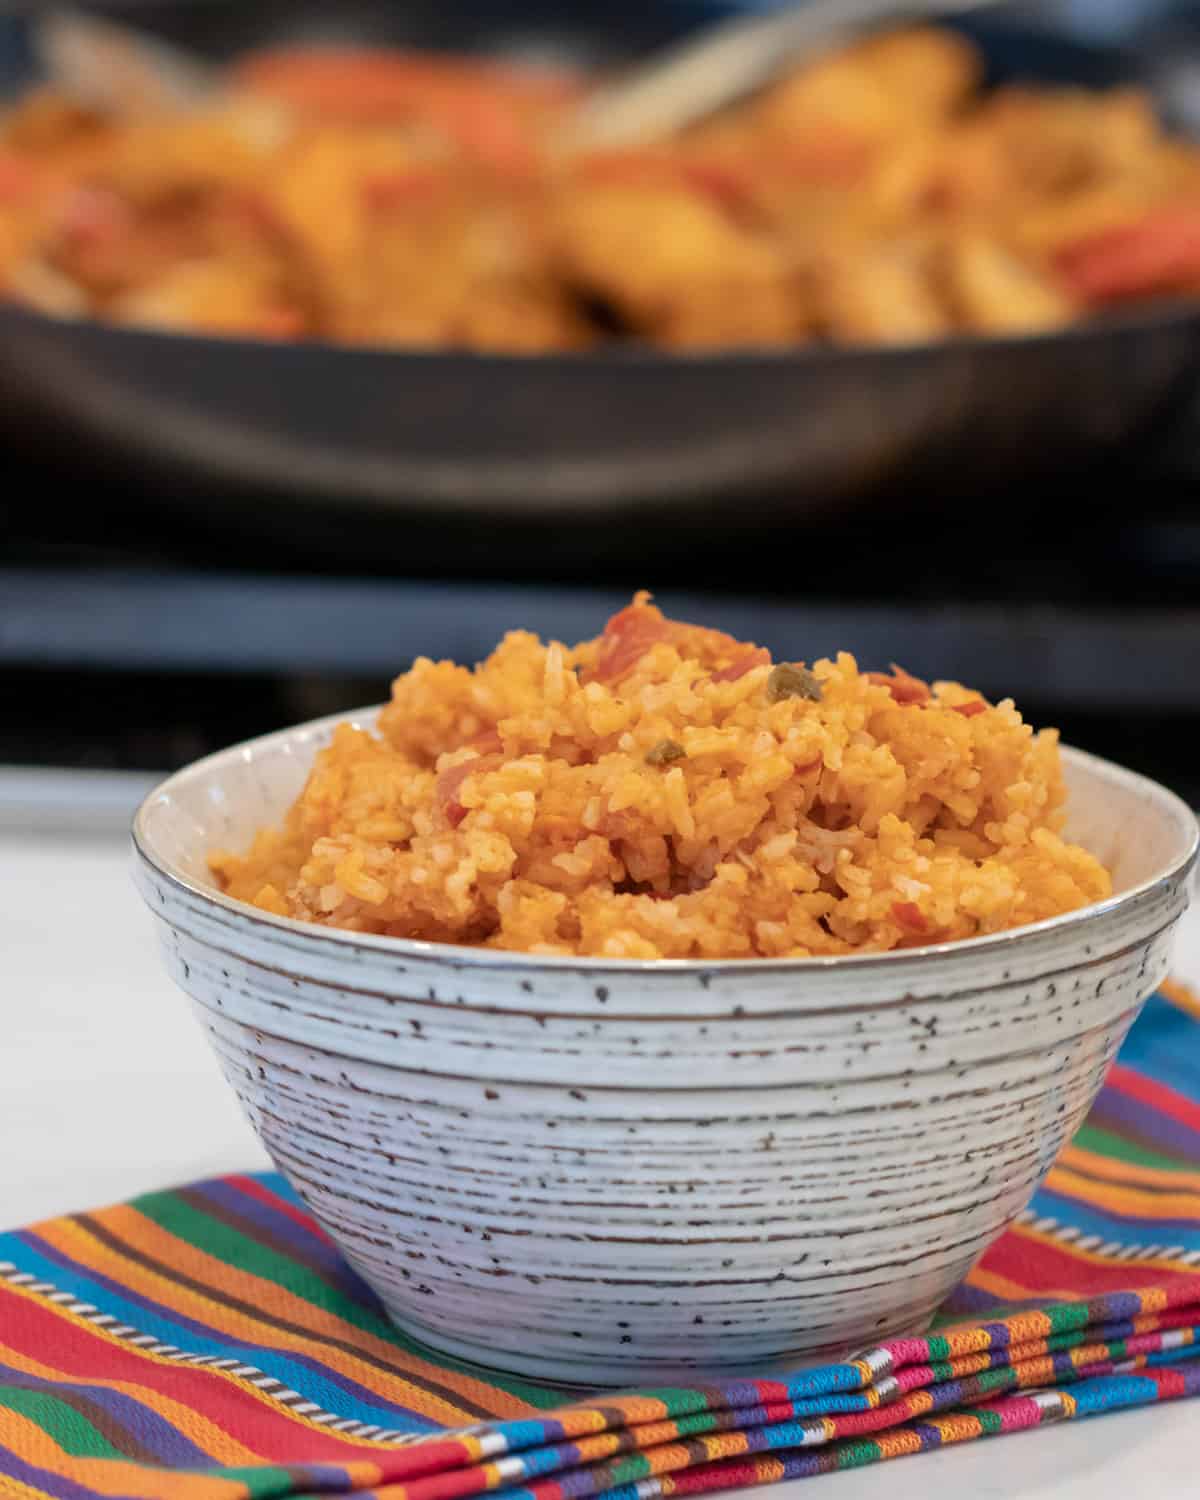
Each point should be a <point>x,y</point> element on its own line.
<point>106,1090</point>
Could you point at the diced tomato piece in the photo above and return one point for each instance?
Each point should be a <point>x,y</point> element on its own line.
<point>969,710</point>
<point>400,190</point>
<point>486,129</point>
<point>909,915</point>
<point>640,167</point>
<point>92,216</point>
<point>449,783</point>
<point>641,625</point>
<point>830,157</point>
<point>904,688</point>
<point>758,657</point>
<point>626,639</point>
<point>486,108</point>
<point>1158,254</point>
<point>718,181</point>
<point>660,167</point>
<point>18,178</point>
<point>251,211</point>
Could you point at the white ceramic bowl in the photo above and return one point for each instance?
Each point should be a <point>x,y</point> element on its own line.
<point>613,1172</point>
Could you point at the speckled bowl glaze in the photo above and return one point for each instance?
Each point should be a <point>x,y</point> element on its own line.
<point>605,1172</point>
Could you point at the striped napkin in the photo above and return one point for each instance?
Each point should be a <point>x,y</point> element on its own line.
<point>209,1344</point>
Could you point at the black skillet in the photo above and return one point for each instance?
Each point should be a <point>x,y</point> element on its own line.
<point>624,435</point>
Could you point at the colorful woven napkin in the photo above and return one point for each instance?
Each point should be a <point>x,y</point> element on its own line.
<point>209,1344</point>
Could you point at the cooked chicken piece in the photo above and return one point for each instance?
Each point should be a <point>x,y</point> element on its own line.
<point>878,91</point>
<point>675,267</point>
<point>883,295</point>
<point>995,291</point>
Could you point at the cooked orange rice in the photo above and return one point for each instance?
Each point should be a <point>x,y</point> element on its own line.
<point>666,791</point>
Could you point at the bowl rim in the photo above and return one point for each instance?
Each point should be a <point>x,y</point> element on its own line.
<point>461,956</point>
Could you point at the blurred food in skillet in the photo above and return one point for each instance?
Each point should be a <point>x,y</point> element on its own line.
<point>880,195</point>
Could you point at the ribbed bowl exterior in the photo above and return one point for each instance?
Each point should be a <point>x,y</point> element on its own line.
<point>603,1173</point>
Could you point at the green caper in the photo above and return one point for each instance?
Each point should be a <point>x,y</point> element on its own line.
<point>665,752</point>
<point>792,680</point>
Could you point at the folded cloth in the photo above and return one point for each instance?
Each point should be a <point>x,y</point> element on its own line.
<point>209,1343</point>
